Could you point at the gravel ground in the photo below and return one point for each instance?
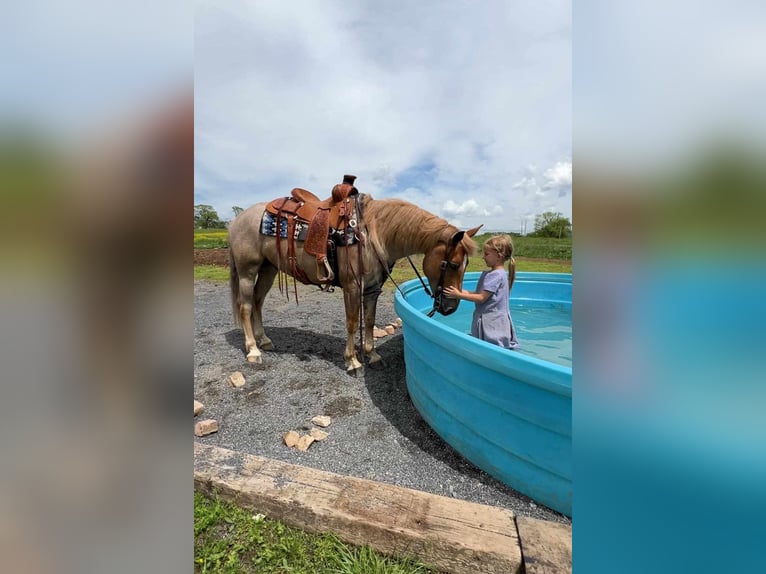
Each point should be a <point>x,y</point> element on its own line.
<point>376,432</point>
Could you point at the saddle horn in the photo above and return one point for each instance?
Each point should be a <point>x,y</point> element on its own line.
<point>343,190</point>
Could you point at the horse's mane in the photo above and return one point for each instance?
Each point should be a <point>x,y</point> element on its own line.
<point>395,222</point>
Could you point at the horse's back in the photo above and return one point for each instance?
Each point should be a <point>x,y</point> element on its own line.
<point>245,235</point>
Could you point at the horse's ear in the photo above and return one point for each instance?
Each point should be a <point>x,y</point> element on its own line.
<point>457,237</point>
<point>472,232</point>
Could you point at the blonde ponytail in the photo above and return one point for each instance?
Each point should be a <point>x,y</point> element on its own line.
<point>503,244</point>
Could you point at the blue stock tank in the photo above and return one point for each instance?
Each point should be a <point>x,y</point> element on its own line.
<point>508,412</point>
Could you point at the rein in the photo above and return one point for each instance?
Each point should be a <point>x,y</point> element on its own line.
<point>423,283</point>
<point>442,266</point>
<point>357,227</point>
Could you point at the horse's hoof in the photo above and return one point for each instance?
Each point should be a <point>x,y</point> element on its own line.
<point>266,345</point>
<point>375,358</point>
<point>353,367</point>
<point>379,364</point>
<point>255,359</point>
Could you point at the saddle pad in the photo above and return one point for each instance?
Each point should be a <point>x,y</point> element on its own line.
<point>340,237</point>
<point>269,227</point>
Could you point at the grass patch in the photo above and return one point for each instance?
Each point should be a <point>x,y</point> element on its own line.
<point>543,266</point>
<point>229,539</point>
<point>211,273</point>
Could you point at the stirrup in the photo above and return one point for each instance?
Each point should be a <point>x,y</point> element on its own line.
<point>330,274</point>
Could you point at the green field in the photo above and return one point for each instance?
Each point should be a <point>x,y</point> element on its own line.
<point>403,271</point>
<point>530,247</point>
<point>536,247</point>
<point>531,253</point>
<point>210,238</point>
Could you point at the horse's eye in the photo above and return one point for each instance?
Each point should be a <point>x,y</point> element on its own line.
<point>454,265</point>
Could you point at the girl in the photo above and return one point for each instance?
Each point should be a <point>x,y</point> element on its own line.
<point>492,316</point>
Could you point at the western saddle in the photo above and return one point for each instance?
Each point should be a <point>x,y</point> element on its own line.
<point>322,217</point>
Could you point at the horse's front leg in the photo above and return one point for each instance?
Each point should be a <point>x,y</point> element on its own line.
<point>370,306</point>
<point>351,299</point>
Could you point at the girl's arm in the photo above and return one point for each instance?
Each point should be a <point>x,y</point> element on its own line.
<point>471,296</point>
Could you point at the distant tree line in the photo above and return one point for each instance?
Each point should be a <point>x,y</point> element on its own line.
<point>548,224</point>
<point>205,217</point>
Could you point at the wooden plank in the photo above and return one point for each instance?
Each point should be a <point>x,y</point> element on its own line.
<point>545,546</point>
<point>451,535</point>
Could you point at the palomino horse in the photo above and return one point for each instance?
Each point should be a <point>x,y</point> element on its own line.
<point>390,229</point>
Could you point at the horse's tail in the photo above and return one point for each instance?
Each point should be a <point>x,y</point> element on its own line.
<point>234,286</point>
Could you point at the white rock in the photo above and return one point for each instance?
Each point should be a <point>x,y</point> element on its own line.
<point>378,333</point>
<point>304,442</point>
<point>198,408</point>
<point>291,438</point>
<point>207,426</point>
<point>398,322</point>
<point>237,380</point>
<point>318,435</point>
<point>390,329</point>
<point>322,421</point>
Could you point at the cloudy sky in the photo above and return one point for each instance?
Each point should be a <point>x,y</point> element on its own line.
<point>463,108</point>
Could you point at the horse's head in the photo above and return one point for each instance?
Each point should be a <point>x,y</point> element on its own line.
<point>445,265</point>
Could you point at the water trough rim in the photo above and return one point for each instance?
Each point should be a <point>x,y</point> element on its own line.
<point>492,357</point>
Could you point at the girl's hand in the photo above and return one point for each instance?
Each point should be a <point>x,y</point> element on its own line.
<point>453,292</point>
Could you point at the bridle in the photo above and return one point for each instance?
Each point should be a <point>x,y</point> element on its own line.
<point>445,263</point>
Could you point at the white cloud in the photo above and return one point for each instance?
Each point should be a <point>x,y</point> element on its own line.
<point>526,183</point>
<point>559,175</point>
<point>384,176</point>
<point>470,207</point>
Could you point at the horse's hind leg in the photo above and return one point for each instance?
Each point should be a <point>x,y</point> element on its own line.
<point>246,288</point>
<point>265,280</point>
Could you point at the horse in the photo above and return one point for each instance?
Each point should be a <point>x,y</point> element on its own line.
<point>387,229</point>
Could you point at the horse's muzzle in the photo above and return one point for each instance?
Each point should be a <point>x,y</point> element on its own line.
<point>448,306</point>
